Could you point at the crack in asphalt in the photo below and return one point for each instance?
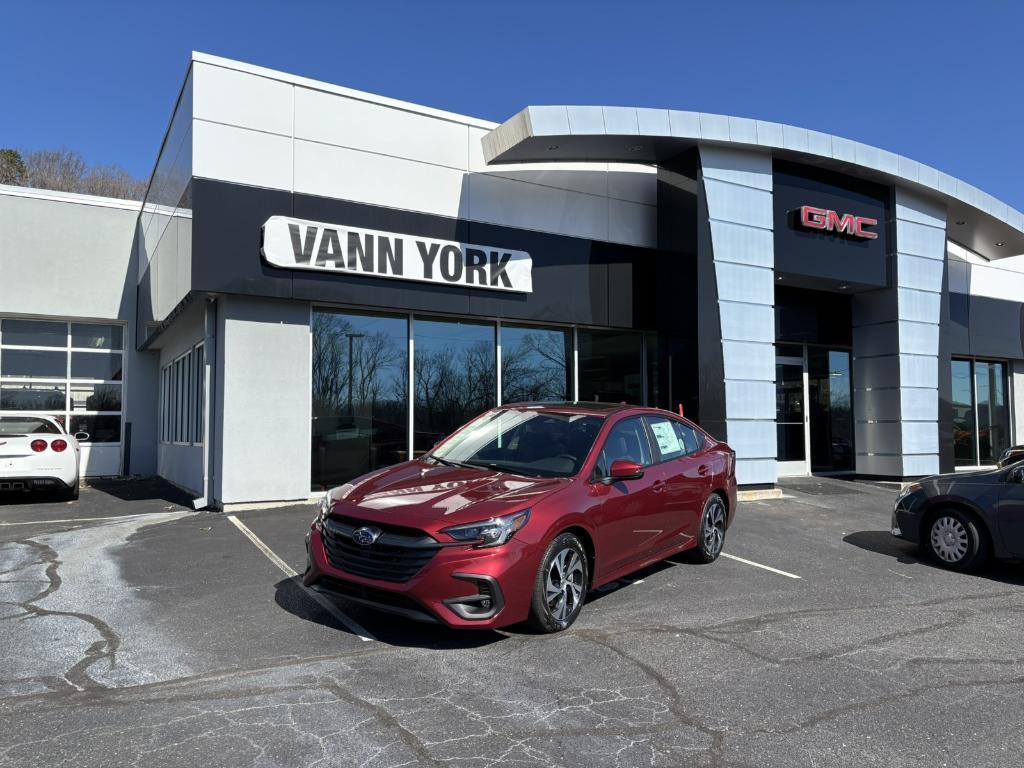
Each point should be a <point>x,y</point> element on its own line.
<point>105,648</point>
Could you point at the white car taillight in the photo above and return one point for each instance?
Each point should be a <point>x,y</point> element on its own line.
<point>59,446</point>
<point>38,445</point>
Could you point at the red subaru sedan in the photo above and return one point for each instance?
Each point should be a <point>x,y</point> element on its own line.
<point>521,512</point>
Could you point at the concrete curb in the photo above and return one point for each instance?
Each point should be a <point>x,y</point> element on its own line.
<point>760,494</point>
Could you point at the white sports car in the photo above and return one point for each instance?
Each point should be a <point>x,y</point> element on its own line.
<point>37,454</point>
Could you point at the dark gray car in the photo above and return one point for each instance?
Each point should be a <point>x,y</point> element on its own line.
<point>960,520</point>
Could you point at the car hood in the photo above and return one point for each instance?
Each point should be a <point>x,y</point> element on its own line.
<point>432,496</point>
<point>959,482</point>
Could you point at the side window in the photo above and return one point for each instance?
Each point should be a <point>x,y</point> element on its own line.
<point>689,438</point>
<point>666,438</point>
<point>627,440</point>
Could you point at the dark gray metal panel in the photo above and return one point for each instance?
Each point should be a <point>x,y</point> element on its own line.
<point>828,257</point>
<point>996,328</point>
<point>570,275</point>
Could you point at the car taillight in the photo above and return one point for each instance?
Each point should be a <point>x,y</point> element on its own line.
<point>59,445</point>
<point>38,445</point>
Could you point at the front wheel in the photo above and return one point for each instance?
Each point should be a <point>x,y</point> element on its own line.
<point>560,586</point>
<point>953,540</point>
<point>711,537</point>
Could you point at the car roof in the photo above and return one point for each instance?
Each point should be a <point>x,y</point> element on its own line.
<point>583,406</point>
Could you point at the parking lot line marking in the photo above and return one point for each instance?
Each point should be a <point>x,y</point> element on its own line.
<point>80,519</point>
<point>759,565</point>
<point>320,600</point>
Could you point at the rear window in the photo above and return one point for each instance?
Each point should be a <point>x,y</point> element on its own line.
<point>26,425</point>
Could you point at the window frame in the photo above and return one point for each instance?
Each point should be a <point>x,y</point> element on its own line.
<point>973,361</point>
<point>183,398</point>
<point>69,382</point>
<point>596,475</point>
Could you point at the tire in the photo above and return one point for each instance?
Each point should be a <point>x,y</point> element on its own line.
<point>953,540</point>
<point>69,494</point>
<point>560,586</point>
<point>711,536</point>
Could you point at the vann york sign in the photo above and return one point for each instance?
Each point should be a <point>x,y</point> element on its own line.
<point>297,244</point>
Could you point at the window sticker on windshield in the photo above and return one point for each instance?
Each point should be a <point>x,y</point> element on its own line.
<point>668,441</point>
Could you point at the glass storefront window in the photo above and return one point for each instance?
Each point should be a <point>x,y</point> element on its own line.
<point>964,442</point>
<point>611,366</point>
<point>455,375</point>
<point>96,365</point>
<point>981,413</point>
<point>32,397</point>
<point>993,413</point>
<point>535,364</point>
<point>360,402</point>
<point>33,333</point>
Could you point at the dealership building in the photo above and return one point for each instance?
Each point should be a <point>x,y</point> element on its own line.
<point>322,281</point>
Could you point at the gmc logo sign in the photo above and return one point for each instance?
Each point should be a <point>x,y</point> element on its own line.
<point>831,221</point>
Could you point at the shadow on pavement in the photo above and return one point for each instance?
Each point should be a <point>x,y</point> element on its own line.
<point>884,543</point>
<point>145,489</point>
<point>290,595</point>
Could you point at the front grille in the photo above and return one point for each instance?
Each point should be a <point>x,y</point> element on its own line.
<point>366,594</point>
<point>397,555</point>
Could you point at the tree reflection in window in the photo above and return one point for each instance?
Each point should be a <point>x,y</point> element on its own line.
<point>534,364</point>
<point>455,376</point>
<point>359,391</point>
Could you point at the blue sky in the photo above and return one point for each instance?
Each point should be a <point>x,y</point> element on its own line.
<point>941,82</point>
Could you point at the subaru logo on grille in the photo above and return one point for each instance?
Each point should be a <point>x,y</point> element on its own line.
<point>365,536</point>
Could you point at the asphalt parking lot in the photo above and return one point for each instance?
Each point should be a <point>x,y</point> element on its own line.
<point>137,632</point>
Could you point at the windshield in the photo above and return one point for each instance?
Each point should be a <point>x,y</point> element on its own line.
<point>525,442</point>
<point>11,426</point>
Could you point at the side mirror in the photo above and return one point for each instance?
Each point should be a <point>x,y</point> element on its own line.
<point>81,436</point>
<point>623,469</point>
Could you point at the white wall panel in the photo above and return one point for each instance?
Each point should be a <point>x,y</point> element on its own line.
<point>529,206</point>
<point>345,122</point>
<point>241,155</point>
<point>238,98</point>
<point>348,174</point>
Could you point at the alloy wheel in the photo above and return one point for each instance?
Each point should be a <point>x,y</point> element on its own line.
<point>714,528</point>
<point>564,584</point>
<point>950,540</point>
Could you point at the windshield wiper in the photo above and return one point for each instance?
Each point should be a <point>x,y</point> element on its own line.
<point>500,468</point>
<point>448,462</point>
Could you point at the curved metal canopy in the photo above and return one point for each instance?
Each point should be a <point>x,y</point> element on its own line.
<point>652,136</point>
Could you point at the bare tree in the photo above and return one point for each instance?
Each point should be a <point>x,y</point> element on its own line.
<point>58,169</point>
<point>65,170</point>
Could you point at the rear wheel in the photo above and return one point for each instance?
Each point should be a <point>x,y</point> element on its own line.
<point>953,539</point>
<point>560,586</point>
<point>711,537</point>
<point>70,494</point>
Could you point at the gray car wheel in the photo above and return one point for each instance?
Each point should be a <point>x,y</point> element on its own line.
<point>561,585</point>
<point>954,540</point>
<point>711,536</point>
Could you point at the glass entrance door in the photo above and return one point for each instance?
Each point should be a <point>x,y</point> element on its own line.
<point>791,422</point>
<point>829,393</point>
<point>813,410</point>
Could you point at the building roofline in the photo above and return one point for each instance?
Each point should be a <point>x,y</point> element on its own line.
<point>70,197</point>
<point>639,135</point>
<point>320,85</point>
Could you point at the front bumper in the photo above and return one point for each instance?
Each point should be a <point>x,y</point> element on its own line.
<point>459,586</point>
<point>906,517</point>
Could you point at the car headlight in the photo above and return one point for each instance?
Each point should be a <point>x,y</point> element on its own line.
<point>489,533</point>
<point>912,488</point>
<point>328,499</point>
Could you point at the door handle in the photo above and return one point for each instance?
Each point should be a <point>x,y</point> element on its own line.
<point>659,486</point>
<point>702,469</point>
